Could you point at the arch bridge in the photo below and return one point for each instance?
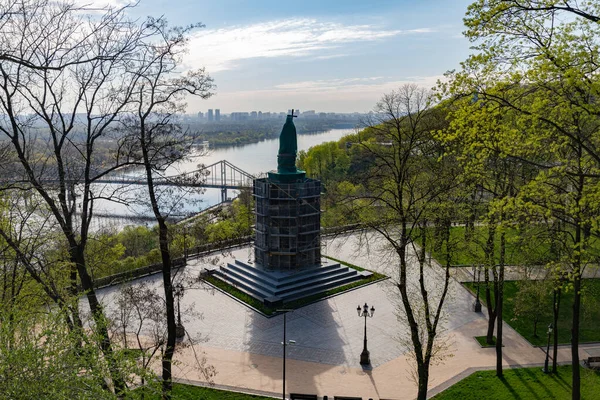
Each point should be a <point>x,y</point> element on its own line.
<point>220,175</point>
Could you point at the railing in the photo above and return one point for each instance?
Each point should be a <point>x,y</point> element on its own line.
<point>200,251</point>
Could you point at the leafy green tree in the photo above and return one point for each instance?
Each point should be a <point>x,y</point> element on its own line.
<point>137,240</point>
<point>531,300</point>
<point>49,361</point>
<point>537,60</point>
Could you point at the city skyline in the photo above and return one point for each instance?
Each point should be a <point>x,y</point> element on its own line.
<point>333,56</point>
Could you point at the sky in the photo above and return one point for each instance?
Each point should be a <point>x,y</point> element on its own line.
<point>326,55</point>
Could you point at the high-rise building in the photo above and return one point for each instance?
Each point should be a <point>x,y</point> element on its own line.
<point>210,114</point>
<point>200,115</point>
<point>217,114</point>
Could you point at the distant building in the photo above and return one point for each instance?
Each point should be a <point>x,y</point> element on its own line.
<point>239,116</point>
<point>200,115</point>
<point>253,115</point>
<point>260,115</point>
<point>210,114</point>
<point>217,114</point>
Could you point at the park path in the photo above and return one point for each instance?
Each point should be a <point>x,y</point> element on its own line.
<point>245,347</point>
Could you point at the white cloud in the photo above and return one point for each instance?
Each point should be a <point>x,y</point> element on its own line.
<point>221,49</point>
<point>102,3</point>
<point>326,84</point>
<point>339,95</point>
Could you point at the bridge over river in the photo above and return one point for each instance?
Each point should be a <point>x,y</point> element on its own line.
<point>221,175</point>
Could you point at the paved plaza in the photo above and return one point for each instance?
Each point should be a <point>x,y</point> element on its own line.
<point>245,346</point>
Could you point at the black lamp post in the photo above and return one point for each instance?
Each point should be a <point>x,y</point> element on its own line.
<point>364,312</point>
<point>550,329</point>
<point>285,343</point>
<point>179,329</point>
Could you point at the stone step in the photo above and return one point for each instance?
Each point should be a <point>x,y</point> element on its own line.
<point>283,277</point>
<point>319,289</point>
<point>316,280</point>
<point>248,280</point>
<point>262,276</point>
<point>270,286</point>
<point>243,286</point>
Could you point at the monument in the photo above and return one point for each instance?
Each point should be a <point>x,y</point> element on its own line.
<point>287,246</point>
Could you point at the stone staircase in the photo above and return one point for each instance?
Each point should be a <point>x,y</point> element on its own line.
<point>276,287</point>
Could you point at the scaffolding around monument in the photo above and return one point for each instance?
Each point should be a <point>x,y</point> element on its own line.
<point>287,262</point>
<point>288,228</point>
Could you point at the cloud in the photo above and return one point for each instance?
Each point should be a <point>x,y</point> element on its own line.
<point>339,95</point>
<point>222,49</point>
<point>375,84</point>
<point>326,84</point>
<point>101,4</point>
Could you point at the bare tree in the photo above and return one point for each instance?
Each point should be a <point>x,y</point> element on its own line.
<point>161,141</point>
<point>63,91</point>
<point>400,199</point>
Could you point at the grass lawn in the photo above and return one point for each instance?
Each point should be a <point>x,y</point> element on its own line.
<point>483,343</point>
<point>251,301</point>
<point>189,392</point>
<point>589,329</point>
<point>523,384</point>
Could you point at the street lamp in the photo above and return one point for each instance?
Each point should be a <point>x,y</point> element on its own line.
<point>179,329</point>
<point>364,312</point>
<point>285,343</point>
<point>550,329</point>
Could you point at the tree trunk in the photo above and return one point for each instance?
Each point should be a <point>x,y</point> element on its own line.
<point>163,234</point>
<point>556,309</point>
<point>423,370</point>
<point>579,248</point>
<point>100,321</point>
<point>490,308</point>
<point>499,303</point>
<point>167,360</point>
<point>576,395</point>
<point>489,255</point>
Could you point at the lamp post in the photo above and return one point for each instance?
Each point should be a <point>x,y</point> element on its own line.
<point>550,329</point>
<point>364,312</point>
<point>179,329</point>
<point>285,343</point>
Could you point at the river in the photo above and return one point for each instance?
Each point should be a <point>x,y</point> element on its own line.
<point>254,158</point>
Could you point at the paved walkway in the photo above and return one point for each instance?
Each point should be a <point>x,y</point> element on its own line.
<point>245,347</point>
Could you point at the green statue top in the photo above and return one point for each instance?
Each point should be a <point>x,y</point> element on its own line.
<point>286,158</point>
<point>288,147</point>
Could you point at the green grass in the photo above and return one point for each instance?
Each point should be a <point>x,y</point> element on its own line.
<point>251,301</point>
<point>523,384</point>
<point>189,392</point>
<point>482,341</point>
<point>589,328</point>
